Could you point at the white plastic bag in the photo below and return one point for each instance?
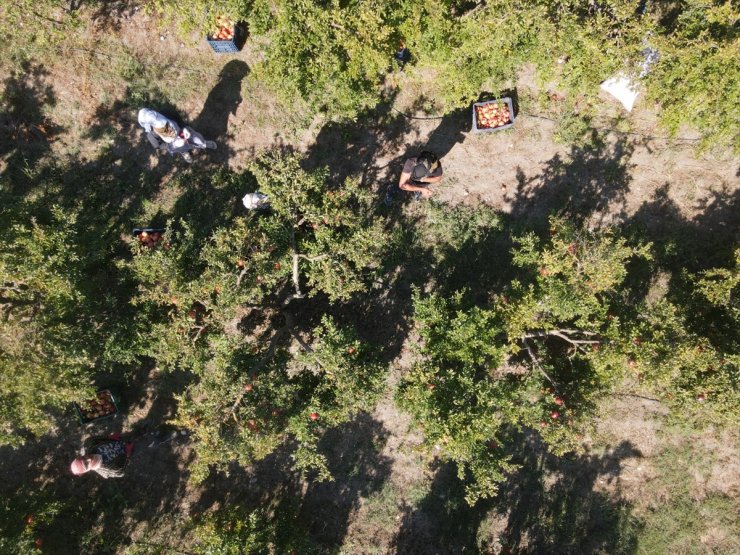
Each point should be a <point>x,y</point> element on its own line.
<point>623,89</point>
<point>255,201</point>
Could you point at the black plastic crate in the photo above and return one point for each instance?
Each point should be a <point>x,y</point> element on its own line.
<point>85,420</point>
<point>505,100</point>
<point>137,230</point>
<point>222,46</point>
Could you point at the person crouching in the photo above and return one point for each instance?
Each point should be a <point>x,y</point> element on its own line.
<point>165,134</point>
<point>105,456</point>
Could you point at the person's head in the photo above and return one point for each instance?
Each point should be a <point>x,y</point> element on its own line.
<point>166,131</point>
<point>84,464</point>
<point>426,164</point>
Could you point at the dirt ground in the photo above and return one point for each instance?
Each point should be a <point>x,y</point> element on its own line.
<point>388,497</point>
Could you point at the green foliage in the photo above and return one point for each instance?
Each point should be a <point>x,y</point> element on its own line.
<point>236,531</point>
<point>450,228</point>
<point>199,15</point>
<point>20,520</point>
<point>577,46</point>
<point>696,80</point>
<point>326,241</point>
<point>473,383</point>
<point>336,63</point>
<point>699,379</point>
<point>339,62</point>
<point>719,286</point>
<point>451,396</point>
<point>331,228</point>
<point>44,359</point>
<point>196,293</point>
<point>241,409</point>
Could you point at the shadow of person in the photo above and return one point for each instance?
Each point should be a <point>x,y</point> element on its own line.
<point>450,131</point>
<point>223,100</point>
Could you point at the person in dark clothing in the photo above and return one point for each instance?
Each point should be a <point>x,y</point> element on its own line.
<point>418,174</point>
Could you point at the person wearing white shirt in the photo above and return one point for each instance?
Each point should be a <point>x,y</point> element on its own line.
<point>165,134</point>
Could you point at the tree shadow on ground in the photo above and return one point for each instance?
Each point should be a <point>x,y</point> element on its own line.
<point>26,133</point>
<point>98,515</point>
<point>549,506</point>
<point>553,505</point>
<point>590,185</point>
<point>442,523</point>
<point>685,246</point>
<point>353,453</point>
<point>352,148</point>
<point>694,244</point>
<point>223,101</point>
<point>358,470</point>
<point>250,487</point>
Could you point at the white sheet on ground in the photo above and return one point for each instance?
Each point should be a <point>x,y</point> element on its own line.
<point>623,89</point>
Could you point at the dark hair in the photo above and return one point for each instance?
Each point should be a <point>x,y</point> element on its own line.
<point>429,159</point>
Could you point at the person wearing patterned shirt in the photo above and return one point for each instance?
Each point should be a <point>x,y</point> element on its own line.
<point>105,456</point>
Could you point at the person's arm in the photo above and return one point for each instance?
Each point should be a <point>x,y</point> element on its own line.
<point>405,183</point>
<point>434,178</point>
<point>429,179</point>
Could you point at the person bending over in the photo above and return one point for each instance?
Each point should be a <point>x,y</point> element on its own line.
<point>420,172</point>
<point>164,134</point>
<point>105,456</point>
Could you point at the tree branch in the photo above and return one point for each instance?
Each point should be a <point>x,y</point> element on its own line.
<point>620,394</point>
<point>481,4</point>
<point>15,287</point>
<point>261,363</point>
<point>313,258</point>
<point>296,277</point>
<point>562,335</point>
<point>582,332</point>
<point>200,329</point>
<point>241,276</point>
<point>537,364</point>
<point>305,346</point>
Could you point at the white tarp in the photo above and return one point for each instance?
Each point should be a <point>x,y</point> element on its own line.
<point>623,89</point>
